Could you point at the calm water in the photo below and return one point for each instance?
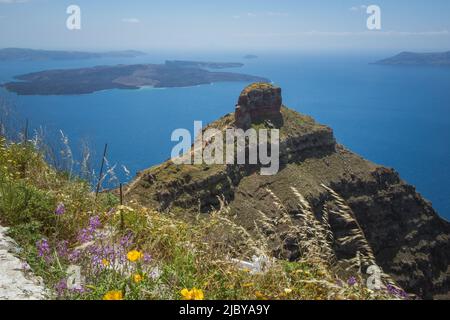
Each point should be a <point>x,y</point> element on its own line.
<point>395,116</point>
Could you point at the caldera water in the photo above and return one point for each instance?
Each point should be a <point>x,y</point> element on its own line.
<point>394,116</point>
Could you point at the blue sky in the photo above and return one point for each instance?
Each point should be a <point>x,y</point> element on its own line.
<point>250,25</point>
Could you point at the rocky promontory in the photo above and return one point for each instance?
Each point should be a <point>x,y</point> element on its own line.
<point>258,102</point>
<point>369,211</point>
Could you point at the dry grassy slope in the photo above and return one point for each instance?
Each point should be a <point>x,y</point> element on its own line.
<point>409,240</point>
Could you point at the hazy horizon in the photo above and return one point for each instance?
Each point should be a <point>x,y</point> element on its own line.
<point>232,26</point>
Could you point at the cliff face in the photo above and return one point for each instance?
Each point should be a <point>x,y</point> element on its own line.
<point>369,210</point>
<point>258,103</point>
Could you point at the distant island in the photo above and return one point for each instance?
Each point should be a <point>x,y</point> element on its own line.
<point>418,59</point>
<point>250,56</point>
<point>201,64</point>
<point>89,80</point>
<point>20,54</point>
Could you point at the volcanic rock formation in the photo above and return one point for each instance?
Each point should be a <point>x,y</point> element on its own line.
<point>258,102</point>
<point>367,209</point>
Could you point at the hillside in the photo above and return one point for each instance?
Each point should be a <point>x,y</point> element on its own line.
<point>90,247</point>
<point>311,231</point>
<point>370,213</point>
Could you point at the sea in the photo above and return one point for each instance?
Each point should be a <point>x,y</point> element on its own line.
<point>394,116</point>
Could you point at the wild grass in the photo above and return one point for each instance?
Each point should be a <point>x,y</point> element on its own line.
<point>87,247</point>
<point>364,256</point>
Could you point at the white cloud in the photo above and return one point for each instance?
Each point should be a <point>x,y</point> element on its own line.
<point>362,7</point>
<point>131,20</point>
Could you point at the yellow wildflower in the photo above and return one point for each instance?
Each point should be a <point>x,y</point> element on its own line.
<point>194,294</point>
<point>105,262</point>
<point>134,255</point>
<point>198,294</point>
<point>137,278</point>
<point>287,290</point>
<point>113,295</point>
<point>186,294</point>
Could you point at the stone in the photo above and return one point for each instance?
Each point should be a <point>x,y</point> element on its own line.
<point>377,209</point>
<point>16,280</point>
<point>257,103</point>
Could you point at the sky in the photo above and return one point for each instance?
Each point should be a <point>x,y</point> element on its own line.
<point>231,25</point>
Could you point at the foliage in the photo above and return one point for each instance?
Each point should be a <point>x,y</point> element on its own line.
<point>133,252</point>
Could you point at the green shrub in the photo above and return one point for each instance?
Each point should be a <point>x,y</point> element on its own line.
<point>21,203</point>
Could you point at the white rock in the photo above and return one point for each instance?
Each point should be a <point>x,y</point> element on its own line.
<point>14,283</point>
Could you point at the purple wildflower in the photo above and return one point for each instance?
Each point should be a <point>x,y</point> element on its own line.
<point>79,290</point>
<point>126,240</point>
<point>396,291</point>
<point>97,260</point>
<point>61,287</point>
<point>43,248</point>
<point>61,249</point>
<point>74,256</point>
<point>351,281</point>
<point>147,258</point>
<point>85,235</point>
<point>60,209</point>
<point>97,255</point>
<point>94,223</point>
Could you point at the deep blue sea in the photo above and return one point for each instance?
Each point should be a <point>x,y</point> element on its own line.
<point>395,116</point>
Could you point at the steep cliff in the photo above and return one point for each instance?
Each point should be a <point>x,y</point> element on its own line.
<point>369,210</point>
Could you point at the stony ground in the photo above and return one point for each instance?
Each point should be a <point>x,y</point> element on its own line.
<point>16,281</point>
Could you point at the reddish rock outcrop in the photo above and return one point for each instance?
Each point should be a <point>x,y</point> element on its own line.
<point>368,209</point>
<point>258,102</point>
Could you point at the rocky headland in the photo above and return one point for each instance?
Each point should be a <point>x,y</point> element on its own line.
<point>370,213</point>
